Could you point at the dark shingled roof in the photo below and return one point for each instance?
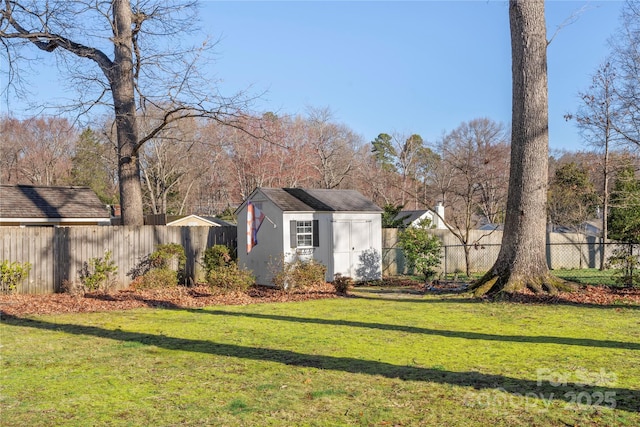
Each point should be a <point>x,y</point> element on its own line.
<point>409,216</point>
<point>322,200</point>
<point>29,201</point>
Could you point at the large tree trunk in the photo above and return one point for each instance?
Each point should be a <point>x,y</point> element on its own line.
<point>522,260</point>
<point>122,87</point>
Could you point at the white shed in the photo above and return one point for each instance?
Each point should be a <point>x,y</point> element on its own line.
<point>339,228</point>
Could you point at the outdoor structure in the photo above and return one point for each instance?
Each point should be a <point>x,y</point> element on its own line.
<point>30,205</point>
<point>196,220</point>
<point>340,229</point>
<point>414,218</point>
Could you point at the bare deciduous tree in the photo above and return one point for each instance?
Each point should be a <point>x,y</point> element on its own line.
<point>476,173</point>
<point>598,112</point>
<point>125,55</point>
<point>333,145</point>
<point>37,151</point>
<point>626,63</point>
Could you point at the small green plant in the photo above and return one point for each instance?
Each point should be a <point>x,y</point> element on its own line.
<point>422,249</point>
<point>626,265</point>
<point>215,257</point>
<point>12,274</point>
<point>165,267</point>
<point>167,254</point>
<point>342,284</point>
<point>230,278</point>
<point>158,278</point>
<point>99,273</point>
<point>299,274</point>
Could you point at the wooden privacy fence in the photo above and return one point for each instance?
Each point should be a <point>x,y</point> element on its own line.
<point>57,254</point>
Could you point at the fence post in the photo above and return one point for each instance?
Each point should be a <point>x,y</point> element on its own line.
<point>631,263</point>
<point>446,257</point>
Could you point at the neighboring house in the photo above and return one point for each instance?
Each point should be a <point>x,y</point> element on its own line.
<point>491,227</point>
<point>196,220</point>
<point>340,229</point>
<point>30,205</point>
<point>588,228</point>
<point>414,218</point>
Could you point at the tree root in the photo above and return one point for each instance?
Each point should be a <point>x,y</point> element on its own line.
<point>495,286</point>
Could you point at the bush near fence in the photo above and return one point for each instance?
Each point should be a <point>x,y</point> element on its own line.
<point>564,251</point>
<point>57,254</point>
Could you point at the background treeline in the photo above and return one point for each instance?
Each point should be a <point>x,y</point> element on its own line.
<point>205,168</point>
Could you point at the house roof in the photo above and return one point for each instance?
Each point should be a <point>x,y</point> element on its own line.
<point>408,217</point>
<point>30,201</point>
<point>324,200</point>
<point>207,219</point>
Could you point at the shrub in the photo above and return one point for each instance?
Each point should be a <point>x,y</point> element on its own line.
<point>215,257</point>
<point>164,267</point>
<point>422,249</point>
<point>230,278</point>
<point>626,265</point>
<point>158,278</point>
<point>166,254</point>
<point>342,284</point>
<point>12,274</point>
<point>99,273</point>
<point>300,274</point>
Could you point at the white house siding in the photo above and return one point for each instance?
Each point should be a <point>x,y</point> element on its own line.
<point>320,253</point>
<point>271,238</point>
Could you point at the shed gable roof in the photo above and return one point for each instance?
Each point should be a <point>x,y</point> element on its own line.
<point>323,200</point>
<point>30,201</point>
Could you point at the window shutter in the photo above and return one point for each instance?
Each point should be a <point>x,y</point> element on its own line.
<point>316,234</point>
<point>293,234</point>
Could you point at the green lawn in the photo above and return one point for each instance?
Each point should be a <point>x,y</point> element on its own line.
<point>377,359</point>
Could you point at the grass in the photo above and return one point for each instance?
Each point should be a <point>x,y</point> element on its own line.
<point>375,359</point>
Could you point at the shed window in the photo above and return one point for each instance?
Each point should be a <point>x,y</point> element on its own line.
<point>304,234</point>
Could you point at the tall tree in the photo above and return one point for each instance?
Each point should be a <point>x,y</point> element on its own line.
<point>333,145</point>
<point>38,150</point>
<point>113,51</point>
<point>402,158</point>
<point>93,166</point>
<point>384,151</point>
<point>626,61</point>
<point>572,197</point>
<point>522,261</point>
<point>624,221</point>
<point>598,112</point>
<point>473,156</point>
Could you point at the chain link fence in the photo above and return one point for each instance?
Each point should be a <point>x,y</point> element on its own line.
<point>579,257</point>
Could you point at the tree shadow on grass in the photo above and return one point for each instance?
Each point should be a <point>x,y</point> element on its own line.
<point>458,297</point>
<point>535,339</point>
<point>624,399</point>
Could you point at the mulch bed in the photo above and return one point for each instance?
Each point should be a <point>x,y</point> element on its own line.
<point>202,296</point>
<point>175,297</point>
<point>583,295</point>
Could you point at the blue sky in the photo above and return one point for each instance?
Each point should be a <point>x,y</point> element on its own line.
<point>407,67</point>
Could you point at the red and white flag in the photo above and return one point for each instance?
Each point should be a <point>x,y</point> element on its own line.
<point>255,216</point>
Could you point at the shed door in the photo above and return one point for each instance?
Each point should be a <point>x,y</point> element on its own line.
<point>350,240</point>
